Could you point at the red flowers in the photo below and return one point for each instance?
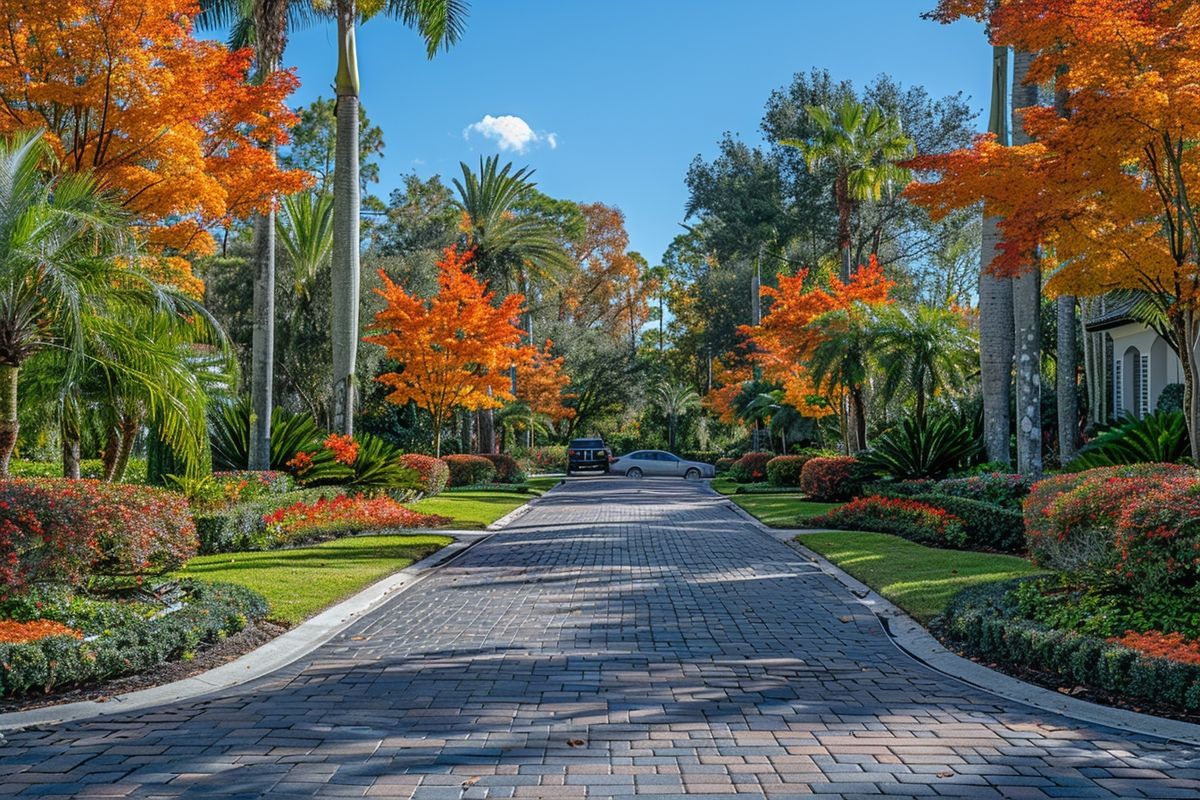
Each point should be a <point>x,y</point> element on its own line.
<point>302,462</point>
<point>345,514</point>
<point>13,632</point>
<point>830,479</point>
<point>911,519</point>
<point>1171,646</point>
<point>343,447</point>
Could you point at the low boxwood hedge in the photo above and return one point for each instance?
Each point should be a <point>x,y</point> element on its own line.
<point>984,622</point>
<point>212,612</point>
<point>987,526</point>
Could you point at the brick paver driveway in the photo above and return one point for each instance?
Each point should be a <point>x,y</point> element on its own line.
<point>623,638</point>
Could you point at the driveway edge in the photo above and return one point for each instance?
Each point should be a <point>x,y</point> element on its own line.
<point>276,654</point>
<point>912,639</point>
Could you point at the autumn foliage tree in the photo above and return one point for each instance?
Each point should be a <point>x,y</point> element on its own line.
<point>169,123</point>
<point>1105,192</point>
<point>453,350</point>
<point>542,383</point>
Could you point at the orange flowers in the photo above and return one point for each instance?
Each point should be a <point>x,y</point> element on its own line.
<point>1171,646</point>
<point>13,632</point>
<point>302,462</point>
<point>343,447</point>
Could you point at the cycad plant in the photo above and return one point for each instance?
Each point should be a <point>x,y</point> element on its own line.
<point>931,447</point>
<point>1160,438</point>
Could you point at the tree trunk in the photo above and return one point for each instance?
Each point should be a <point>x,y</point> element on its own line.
<point>345,267</point>
<point>127,435</point>
<point>1066,378</point>
<point>995,349</point>
<point>70,438</point>
<point>1027,296</point>
<point>841,196</point>
<point>9,425</point>
<point>487,430</point>
<point>1186,327</point>
<point>858,412</point>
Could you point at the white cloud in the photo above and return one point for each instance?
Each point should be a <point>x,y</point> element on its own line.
<point>510,133</point>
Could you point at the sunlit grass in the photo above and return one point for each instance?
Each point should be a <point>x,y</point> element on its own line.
<point>781,510</point>
<point>919,579</point>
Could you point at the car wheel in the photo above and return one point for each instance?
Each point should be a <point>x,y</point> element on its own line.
<point>692,474</point>
<point>633,472</point>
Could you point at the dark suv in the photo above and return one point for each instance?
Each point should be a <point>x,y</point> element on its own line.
<point>587,454</point>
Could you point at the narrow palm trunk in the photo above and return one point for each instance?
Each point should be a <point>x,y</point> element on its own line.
<point>9,426</point>
<point>841,194</point>
<point>345,267</point>
<point>70,439</point>
<point>127,435</point>
<point>262,348</point>
<point>1066,379</point>
<point>858,412</point>
<point>1185,327</point>
<point>1027,297</point>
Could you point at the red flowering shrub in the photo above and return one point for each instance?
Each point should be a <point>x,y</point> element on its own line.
<point>469,470</point>
<point>1171,646</point>
<point>785,470</point>
<point>343,447</point>
<point>63,531</point>
<point>831,480</point>
<point>1157,537</point>
<point>13,632</point>
<point>911,519</point>
<point>750,468</point>
<point>344,514</point>
<point>507,468</point>
<point>1071,519</point>
<point>433,471</point>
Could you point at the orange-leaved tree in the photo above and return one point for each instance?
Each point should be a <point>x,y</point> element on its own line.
<point>170,123</point>
<point>542,383</point>
<point>728,383</point>
<point>1106,190</point>
<point>453,350</point>
<point>810,342</point>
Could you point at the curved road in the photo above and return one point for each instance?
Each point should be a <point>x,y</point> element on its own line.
<point>623,638</point>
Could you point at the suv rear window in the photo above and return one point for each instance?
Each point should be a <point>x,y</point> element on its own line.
<point>596,443</point>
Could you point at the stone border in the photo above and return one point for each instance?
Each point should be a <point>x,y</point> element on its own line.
<point>912,639</point>
<point>276,654</point>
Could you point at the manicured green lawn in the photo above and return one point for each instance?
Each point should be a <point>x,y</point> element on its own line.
<point>478,508</point>
<point>724,484</point>
<point>919,579</point>
<point>781,510</point>
<point>298,583</point>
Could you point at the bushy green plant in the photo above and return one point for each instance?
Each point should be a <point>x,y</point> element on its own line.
<point>1170,399</point>
<point>831,480</point>
<point>1155,438</point>
<point>291,434</point>
<point>1158,538</point>
<point>433,472</point>
<point>469,470</point>
<point>932,447</point>
<point>751,467</point>
<point>507,468</point>
<point>1104,611</point>
<point>538,460</point>
<point>998,488</point>
<point>723,465</point>
<point>136,644</point>
<point>987,526</point>
<point>785,470</point>
<point>910,519</point>
<point>379,465</point>
<point>242,526</point>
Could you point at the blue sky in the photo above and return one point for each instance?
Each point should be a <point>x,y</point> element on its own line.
<point>626,91</point>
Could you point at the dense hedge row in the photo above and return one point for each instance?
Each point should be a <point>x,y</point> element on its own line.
<point>469,470</point>
<point>832,479</point>
<point>243,526</point>
<point>988,527</point>
<point>212,612</point>
<point>983,622</point>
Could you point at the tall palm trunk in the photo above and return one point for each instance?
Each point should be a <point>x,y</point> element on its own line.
<point>127,432</point>
<point>995,300</point>
<point>262,347</point>
<point>9,426</point>
<point>1066,375</point>
<point>70,433</point>
<point>1027,298</point>
<point>841,196</point>
<point>345,267</point>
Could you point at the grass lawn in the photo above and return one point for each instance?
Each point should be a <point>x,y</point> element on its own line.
<point>919,579</point>
<point>478,508</point>
<point>781,510</point>
<point>724,484</point>
<point>298,583</point>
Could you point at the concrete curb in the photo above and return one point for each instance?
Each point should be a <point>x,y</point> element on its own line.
<point>276,654</point>
<point>912,639</point>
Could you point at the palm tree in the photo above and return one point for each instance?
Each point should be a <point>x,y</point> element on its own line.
<point>440,23</point>
<point>839,361</point>
<point>675,399</point>
<point>510,249</point>
<point>929,349</point>
<point>305,229</point>
<point>863,147</point>
<point>66,281</point>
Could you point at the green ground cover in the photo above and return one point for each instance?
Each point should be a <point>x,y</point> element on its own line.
<point>298,583</point>
<point>781,510</point>
<point>919,579</point>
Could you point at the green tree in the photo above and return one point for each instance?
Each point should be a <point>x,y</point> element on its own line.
<point>305,229</point>
<point>863,145</point>
<point>674,399</point>
<point>925,350</point>
<point>841,358</point>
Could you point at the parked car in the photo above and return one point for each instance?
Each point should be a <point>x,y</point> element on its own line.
<point>659,463</point>
<point>587,454</point>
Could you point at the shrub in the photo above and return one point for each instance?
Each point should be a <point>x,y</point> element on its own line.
<point>1070,519</point>
<point>224,489</point>
<point>469,470</point>
<point>1154,438</point>
<point>342,515</point>
<point>1171,646</point>
<point>907,488</point>
<point>241,526</point>
<point>550,458</point>
<point>1158,537</point>
<point>997,488</point>
<point>911,519</point>
<point>507,468</point>
<point>987,526</point>
<point>703,456</point>
<point>785,470</point>
<point>211,612</point>
<point>985,622</point>
<point>1170,399</point>
<point>751,467</point>
<point>931,447</point>
<point>229,427</point>
<point>433,472</point>
<point>13,632</point>
<point>831,480</point>
<point>55,530</point>
<point>723,465</point>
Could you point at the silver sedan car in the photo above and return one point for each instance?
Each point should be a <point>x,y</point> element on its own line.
<point>659,463</point>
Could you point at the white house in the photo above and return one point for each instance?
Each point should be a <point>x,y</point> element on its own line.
<point>1142,364</point>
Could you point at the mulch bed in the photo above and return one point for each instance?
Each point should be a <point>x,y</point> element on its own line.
<point>220,653</point>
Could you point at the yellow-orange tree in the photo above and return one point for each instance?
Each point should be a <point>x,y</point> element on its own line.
<point>1106,191</point>
<point>542,383</point>
<point>168,122</point>
<point>455,349</point>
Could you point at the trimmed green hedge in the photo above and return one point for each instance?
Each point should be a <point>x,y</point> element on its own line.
<point>213,611</point>
<point>988,526</point>
<point>984,622</point>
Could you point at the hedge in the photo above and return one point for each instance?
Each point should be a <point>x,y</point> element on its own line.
<point>243,527</point>
<point>435,475</point>
<point>982,621</point>
<point>900,516</point>
<point>987,526</point>
<point>785,470</point>
<point>831,480</point>
<point>507,468</point>
<point>469,470</point>
<point>213,611</point>
<point>750,468</point>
